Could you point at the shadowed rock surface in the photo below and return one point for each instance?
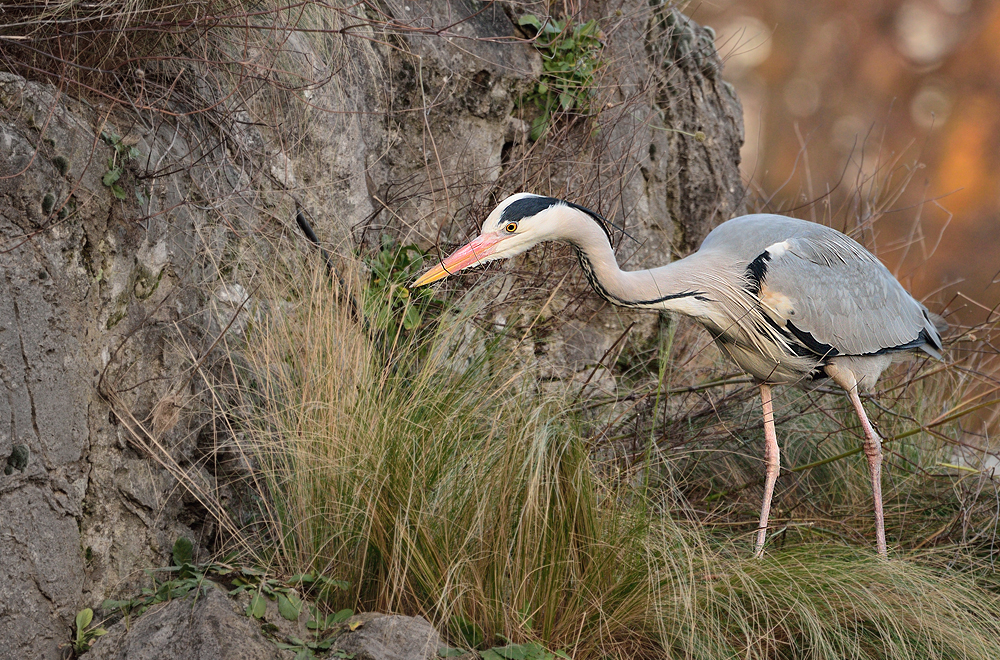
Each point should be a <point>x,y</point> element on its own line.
<point>208,628</point>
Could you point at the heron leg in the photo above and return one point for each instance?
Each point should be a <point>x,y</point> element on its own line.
<point>873,451</point>
<point>772,464</point>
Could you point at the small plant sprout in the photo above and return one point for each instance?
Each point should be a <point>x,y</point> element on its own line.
<point>85,635</point>
<point>570,57</point>
<point>122,153</point>
<point>388,302</point>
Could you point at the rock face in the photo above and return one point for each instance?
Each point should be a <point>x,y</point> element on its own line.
<point>122,235</point>
<point>208,628</point>
<point>386,637</point>
<point>83,509</point>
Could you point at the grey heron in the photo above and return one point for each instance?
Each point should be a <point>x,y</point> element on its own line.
<point>789,301</point>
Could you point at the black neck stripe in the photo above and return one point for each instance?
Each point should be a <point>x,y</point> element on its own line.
<point>600,219</point>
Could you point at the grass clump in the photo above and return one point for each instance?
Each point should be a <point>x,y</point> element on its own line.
<point>430,472</point>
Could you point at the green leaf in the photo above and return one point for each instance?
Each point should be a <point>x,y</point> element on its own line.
<point>490,654</point>
<point>257,606</point>
<point>512,651</point>
<point>563,654</point>
<point>449,652</point>
<point>287,609</point>
<point>111,176</point>
<point>83,619</point>
<point>530,19</point>
<point>118,191</point>
<point>470,632</point>
<point>566,101</point>
<point>183,552</point>
<point>299,578</point>
<point>109,604</point>
<point>411,319</point>
<point>341,616</point>
<point>539,126</point>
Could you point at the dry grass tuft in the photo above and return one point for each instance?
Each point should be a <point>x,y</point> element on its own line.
<point>429,470</point>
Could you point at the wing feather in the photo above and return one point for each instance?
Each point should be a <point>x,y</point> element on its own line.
<point>844,297</point>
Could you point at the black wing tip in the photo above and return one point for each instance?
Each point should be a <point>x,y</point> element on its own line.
<point>816,347</point>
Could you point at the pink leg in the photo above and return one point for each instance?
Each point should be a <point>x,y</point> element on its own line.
<point>771,458</point>
<point>873,450</point>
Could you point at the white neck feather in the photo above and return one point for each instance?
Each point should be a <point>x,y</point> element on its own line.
<point>677,286</point>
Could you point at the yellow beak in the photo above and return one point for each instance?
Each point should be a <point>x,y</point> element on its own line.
<point>472,254</point>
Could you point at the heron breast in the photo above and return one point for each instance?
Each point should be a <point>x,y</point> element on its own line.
<point>776,305</point>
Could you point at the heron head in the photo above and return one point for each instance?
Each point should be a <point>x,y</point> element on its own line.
<point>516,225</point>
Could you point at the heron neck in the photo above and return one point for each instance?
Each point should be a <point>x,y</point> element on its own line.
<point>664,287</point>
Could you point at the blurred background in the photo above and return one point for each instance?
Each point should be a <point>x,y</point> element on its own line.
<point>842,95</point>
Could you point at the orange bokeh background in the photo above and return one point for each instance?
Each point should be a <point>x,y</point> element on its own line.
<point>837,91</point>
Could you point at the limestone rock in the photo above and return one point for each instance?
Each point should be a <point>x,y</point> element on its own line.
<point>85,291</point>
<point>207,628</point>
<point>389,637</point>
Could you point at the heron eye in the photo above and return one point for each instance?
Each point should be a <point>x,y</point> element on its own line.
<point>511,227</point>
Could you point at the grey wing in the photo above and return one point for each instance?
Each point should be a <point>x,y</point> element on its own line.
<point>832,297</point>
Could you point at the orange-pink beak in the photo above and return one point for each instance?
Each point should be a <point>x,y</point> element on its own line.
<point>470,255</point>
